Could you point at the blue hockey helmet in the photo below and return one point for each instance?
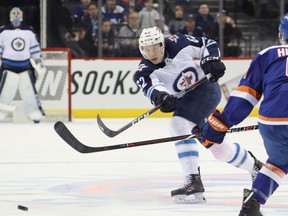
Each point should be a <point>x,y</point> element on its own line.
<point>283,27</point>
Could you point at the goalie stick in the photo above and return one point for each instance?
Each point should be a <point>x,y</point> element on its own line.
<point>71,140</point>
<point>112,133</point>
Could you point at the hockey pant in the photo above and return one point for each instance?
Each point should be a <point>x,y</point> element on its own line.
<point>10,83</point>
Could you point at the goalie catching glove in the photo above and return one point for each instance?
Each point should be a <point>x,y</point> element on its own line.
<point>215,129</point>
<point>214,66</point>
<point>167,101</point>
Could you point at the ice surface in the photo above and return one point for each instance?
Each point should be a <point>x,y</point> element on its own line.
<point>40,171</point>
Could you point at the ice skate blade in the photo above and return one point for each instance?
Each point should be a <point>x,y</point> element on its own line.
<point>193,198</point>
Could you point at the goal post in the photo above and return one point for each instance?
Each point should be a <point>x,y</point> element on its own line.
<point>54,88</point>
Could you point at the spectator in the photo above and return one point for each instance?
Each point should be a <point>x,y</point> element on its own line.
<point>129,35</point>
<point>110,45</point>
<point>131,6</point>
<point>59,24</point>
<point>230,32</point>
<point>137,5</point>
<point>178,22</point>
<point>204,20</point>
<point>80,11</point>
<point>90,24</point>
<point>187,4</point>
<point>75,41</point>
<point>115,13</point>
<point>148,14</point>
<point>160,23</point>
<point>190,27</point>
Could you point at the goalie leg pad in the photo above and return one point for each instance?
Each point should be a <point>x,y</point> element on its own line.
<point>30,97</point>
<point>8,89</point>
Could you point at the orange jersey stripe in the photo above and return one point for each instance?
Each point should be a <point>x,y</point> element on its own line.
<point>275,169</point>
<point>249,90</point>
<point>272,119</point>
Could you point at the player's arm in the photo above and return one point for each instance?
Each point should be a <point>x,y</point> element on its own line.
<point>208,52</point>
<point>241,102</point>
<point>36,59</point>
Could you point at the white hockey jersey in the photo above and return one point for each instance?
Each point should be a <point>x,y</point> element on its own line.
<point>178,70</point>
<point>18,44</point>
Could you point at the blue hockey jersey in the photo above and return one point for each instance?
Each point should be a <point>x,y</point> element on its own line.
<point>267,76</point>
<point>178,70</point>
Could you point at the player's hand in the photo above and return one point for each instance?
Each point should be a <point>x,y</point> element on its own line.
<point>214,66</point>
<point>168,102</point>
<point>215,129</point>
<point>39,67</point>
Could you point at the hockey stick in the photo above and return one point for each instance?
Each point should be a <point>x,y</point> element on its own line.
<point>112,133</point>
<point>71,140</point>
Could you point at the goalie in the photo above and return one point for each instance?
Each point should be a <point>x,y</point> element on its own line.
<point>21,66</point>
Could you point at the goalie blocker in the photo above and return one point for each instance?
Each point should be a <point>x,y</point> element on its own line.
<point>24,82</point>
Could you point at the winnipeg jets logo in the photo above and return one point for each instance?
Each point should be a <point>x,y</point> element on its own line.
<point>18,44</point>
<point>186,78</point>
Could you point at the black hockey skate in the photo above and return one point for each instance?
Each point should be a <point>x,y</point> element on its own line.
<point>250,206</point>
<point>256,167</point>
<point>191,192</point>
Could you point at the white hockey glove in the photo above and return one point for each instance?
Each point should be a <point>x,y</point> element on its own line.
<point>39,67</point>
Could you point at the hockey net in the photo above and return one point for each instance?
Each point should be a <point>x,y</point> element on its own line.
<point>54,89</point>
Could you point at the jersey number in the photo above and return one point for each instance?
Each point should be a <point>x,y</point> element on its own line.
<point>141,82</point>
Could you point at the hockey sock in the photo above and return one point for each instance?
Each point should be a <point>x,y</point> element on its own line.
<point>233,154</point>
<point>267,181</point>
<point>188,155</point>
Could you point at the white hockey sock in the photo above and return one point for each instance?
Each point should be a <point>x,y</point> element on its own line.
<point>187,151</point>
<point>233,154</point>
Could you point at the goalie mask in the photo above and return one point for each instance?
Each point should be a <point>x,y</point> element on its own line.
<point>149,37</point>
<point>16,16</point>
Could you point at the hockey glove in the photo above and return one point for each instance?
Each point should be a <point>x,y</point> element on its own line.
<point>214,130</point>
<point>39,67</point>
<point>168,102</point>
<point>214,66</point>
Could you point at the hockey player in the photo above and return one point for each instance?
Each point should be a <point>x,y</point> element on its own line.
<point>167,67</point>
<point>19,46</point>
<point>268,76</point>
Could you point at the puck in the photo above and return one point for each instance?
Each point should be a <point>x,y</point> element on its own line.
<point>23,208</point>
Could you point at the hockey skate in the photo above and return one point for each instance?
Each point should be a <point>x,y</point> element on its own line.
<point>250,206</point>
<point>191,192</point>
<point>256,167</point>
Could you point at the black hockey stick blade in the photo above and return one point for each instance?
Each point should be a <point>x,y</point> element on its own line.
<point>71,140</point>
<point>113,133</point>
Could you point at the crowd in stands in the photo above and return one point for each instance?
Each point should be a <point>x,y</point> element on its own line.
<point>75,23</point>
<point>123,21</point>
